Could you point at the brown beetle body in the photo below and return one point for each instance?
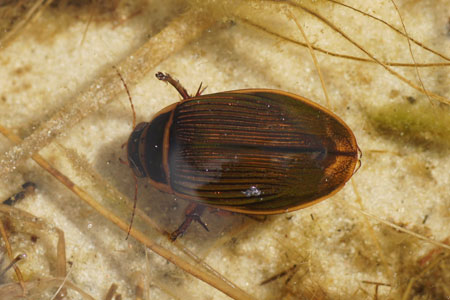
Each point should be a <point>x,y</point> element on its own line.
<point>253,151</point>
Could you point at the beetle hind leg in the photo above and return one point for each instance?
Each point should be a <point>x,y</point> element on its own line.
<point>175,83</point>
<point>193,213</point>
<point>200,90</point>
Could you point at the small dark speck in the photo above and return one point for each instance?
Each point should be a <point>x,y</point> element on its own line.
<point>34,238</point>
<point>411,99</point>
<point>348,107</point>
<point>425,219</point>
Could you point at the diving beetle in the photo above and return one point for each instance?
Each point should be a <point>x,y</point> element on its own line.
<point>253,151</point>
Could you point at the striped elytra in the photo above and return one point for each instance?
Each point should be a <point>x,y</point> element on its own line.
<point>255,151</point>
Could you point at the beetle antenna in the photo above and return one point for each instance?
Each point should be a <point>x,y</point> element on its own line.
<point>175,83</point>
<point>129,96</point>
<point>134,206</point>
<point>134,176</point>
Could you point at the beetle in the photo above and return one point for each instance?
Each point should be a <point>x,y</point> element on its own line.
<point>253,151</point>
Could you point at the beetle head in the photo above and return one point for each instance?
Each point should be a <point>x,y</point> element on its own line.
<point>134,160</point>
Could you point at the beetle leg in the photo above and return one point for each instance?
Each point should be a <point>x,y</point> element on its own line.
<point>175,83</point>
<point>193,213</point>
<point>123,162</point>
<point>199,221</point>
<point>200,90</point>
<point>220,212</point>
